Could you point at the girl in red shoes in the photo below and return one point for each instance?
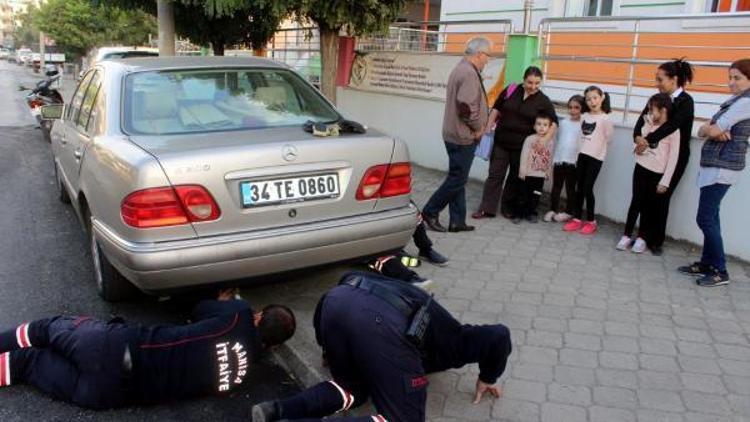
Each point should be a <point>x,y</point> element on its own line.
<point>596,134</point>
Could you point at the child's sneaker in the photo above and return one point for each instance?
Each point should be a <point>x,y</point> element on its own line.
<point>573,225</point>
<point>549,216</point>
<point>588,227</point>
<point>623,244</point>
<point>562,217</point>
<point>639,246</point>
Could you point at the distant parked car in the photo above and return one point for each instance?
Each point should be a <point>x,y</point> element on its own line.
<point>189,171</point>
<point>4,54</point>
<point>22,55</point>
<point>107,53</point>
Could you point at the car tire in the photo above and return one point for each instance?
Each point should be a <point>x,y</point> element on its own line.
<point>62,193</point>
<point>110,284</point>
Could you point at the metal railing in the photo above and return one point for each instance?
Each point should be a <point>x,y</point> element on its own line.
<point>299,48</point>
<point>447,37</point>
<point>636,28</point>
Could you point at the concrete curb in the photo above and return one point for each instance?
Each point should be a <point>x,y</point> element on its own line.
<point>294,363</point>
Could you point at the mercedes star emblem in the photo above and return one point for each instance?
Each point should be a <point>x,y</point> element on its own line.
<point>289,152</point>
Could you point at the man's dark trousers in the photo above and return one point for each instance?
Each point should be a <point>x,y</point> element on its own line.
<point>75,359</point>
<point>453,190</point>
<point>369,356</point>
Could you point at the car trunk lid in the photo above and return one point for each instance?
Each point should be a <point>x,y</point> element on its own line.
<point>236,168</point>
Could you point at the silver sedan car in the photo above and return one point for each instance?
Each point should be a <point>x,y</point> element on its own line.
<point>188,171</point>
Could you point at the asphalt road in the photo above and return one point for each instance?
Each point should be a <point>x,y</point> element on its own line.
<point>45,270</point>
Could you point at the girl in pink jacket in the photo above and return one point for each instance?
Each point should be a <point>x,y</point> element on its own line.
<point>652,177</point>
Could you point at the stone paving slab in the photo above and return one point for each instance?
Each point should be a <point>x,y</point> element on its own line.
<point>598,334</point>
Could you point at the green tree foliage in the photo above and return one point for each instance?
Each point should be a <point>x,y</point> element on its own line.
<point>26,33</point>
<point>77,25</point>
<point>220,23</point>
<point>249,26</point>
<point>357,17</point>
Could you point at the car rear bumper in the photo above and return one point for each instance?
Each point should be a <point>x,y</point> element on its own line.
<point>185,263</point>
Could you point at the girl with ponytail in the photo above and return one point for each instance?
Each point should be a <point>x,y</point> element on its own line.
<point>596,134</point>
<point>672,78</point>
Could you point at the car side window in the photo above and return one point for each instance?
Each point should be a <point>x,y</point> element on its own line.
<point>88,101</point>
<point>75,103</point>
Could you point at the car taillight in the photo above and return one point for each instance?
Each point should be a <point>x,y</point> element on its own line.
<point>385,180</point>
<point>397,181</point>
<point>167,206</point>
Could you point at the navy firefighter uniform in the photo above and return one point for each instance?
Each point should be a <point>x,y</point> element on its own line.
<point>361,325</point>
<point>102,365</point>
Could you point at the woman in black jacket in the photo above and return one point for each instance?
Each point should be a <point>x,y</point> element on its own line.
<point>671,78</point>
<point>516,112</point>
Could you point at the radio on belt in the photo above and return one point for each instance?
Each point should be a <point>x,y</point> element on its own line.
<point>418,326</point>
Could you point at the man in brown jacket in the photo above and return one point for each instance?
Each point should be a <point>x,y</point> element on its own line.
<point>465,117</point>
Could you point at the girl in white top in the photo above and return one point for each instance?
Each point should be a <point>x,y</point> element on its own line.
<point>567,148</point>
<point>652,177</point>
<point>596,134</point>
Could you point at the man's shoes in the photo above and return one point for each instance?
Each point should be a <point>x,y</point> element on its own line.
<point>696,269</point>
<point>713,279</point>
<point>434,258</point>
<point>516,220</point>
<point>657,251</point>
<point>268,411</point>
<point>549,216</point>
<point>455,228</point>
<point>507,214</point>
<point>434,223</point>
<point>532,218</point>
<point>481,214</point>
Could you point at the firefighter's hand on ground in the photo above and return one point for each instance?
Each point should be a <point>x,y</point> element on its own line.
<point>483,388</point>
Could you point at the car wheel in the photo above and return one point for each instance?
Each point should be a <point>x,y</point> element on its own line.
<point>110,284</point>
<point>62,193</point>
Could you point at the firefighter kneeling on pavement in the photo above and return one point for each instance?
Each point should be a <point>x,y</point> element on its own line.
<point>380,337</point>
<point>103,365</point>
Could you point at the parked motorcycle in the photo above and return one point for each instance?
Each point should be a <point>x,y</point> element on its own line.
<point>44,94</point>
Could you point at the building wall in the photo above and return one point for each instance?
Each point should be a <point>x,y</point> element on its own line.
<point>418,122</point>
<point>513,9</point>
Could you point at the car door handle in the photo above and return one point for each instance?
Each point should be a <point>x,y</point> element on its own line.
<point>77,153</point>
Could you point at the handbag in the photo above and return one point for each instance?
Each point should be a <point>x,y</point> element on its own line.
<point>484,149</point>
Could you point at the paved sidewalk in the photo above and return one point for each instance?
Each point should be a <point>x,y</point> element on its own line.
<point>599,335</point>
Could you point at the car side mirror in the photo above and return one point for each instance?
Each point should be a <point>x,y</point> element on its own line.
<point>52,111</point>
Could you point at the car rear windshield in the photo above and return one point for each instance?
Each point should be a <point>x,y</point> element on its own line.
<point>195,101</point>
<point>129,54</point>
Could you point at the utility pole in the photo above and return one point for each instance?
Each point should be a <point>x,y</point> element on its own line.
<point>165,18</point>
<point>527,8</point>
<point>42,46</point>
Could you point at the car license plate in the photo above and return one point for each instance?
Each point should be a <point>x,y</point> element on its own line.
<point>293,189</point>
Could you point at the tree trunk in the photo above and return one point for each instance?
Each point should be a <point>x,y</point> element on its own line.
<point>218,48</point>
<point>329,57</point>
